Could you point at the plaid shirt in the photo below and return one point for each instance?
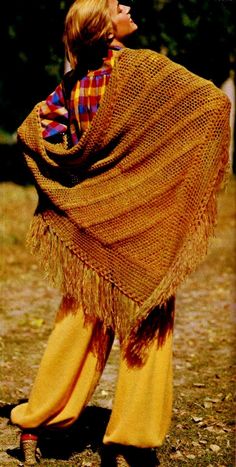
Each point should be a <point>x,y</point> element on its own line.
<point>59,116</point>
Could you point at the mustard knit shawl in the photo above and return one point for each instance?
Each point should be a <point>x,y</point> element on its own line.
<point>125,215</point>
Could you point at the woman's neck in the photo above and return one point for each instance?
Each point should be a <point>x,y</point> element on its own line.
<point>116,43</point>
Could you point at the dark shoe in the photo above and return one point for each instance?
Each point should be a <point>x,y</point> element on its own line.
<point>30,451</point>
<point>140,457</point>
<point>129,456</point>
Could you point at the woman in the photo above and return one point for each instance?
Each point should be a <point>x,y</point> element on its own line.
<point>128,154</point>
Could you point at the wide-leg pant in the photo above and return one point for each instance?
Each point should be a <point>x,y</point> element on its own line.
<point>68,375</point>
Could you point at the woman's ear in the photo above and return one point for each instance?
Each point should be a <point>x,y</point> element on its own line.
<point>110,37</point>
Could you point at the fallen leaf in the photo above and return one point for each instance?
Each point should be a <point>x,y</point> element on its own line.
<point>209,399</point>
<point>215,447</point>
<point>190,456</point>
<point>207,405</point>
<point>197,419</point>
<point>177,455</point>
<point>202,424</point>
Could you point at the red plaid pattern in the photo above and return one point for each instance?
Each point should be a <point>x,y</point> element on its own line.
<point>75,116</point>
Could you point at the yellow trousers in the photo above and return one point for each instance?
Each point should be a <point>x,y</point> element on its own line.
<point>68,375</point>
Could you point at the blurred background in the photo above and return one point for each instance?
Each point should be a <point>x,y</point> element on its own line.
<point>199,34</point>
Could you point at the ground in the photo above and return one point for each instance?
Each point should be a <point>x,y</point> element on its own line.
<point>202,430</point>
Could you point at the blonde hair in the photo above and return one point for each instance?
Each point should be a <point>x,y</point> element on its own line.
<point>88,30</point>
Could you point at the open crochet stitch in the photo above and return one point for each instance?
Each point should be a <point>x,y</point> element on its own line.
<point>125,215</point>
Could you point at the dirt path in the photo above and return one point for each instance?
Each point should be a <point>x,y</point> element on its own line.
<point>204,364</point>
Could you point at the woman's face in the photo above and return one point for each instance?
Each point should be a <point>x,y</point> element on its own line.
<point>123,25</point>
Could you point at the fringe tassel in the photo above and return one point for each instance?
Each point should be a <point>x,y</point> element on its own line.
<point>64,270</point>
<point>82,287</point>
<point>156,322</point>
<point>136,326</point>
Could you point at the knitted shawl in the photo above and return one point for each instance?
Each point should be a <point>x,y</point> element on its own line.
<point>125,215</point>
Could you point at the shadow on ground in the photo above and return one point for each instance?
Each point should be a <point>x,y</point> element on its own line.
<point>55,444</point>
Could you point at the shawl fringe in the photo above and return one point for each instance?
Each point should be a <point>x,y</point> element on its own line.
<point>81,286</point>
<point>100,299</point>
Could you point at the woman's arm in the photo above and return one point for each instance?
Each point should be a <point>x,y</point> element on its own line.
<point>54,115</point>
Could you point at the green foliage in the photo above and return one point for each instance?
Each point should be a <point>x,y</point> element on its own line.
<point>32,57</point>
<point>197,34</point>
<point>202,36</point>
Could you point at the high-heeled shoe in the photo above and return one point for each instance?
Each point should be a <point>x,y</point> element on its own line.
<point>29,448</point>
